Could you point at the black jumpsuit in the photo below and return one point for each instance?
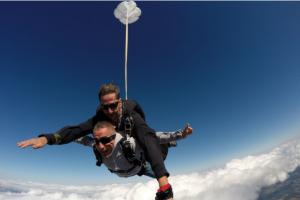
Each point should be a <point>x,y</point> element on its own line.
<point>141,131</point>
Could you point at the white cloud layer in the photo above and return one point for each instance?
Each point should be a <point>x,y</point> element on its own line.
<point>239,179</point>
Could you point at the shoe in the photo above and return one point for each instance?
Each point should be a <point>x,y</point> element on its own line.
<point>165,195</point>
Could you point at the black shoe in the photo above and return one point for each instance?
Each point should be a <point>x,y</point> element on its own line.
<point>166,195</point>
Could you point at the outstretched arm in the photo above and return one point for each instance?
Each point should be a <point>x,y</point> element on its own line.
<point>36,143</point>
<point>63,136</point>
<point>167,137</point>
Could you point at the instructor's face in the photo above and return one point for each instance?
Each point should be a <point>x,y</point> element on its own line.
<point>104,141</point>
<point>111,106</point>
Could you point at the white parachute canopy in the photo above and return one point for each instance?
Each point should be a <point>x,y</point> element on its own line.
<point>127,9</point>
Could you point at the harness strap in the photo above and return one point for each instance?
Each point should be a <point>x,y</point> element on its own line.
<point>128,126</point>
<point>123,171</point>
<point>98,156</point>
<point>136,163</point>
<point>128,152</point>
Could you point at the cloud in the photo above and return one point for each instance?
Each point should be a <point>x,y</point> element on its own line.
<point>238,179</point>
<point>127,7</point>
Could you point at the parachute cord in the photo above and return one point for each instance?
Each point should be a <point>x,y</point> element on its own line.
<point>126,55</point>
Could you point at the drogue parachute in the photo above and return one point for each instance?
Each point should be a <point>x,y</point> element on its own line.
<point>127,13</point>
<point>127,9</point>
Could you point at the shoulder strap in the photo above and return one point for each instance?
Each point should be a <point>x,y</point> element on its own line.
<point>128,123</point>
<point>133,106</point>
<point>129,152</point>
<point>98,156</point>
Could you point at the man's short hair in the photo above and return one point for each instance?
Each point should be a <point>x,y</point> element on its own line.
<point>108,89</point>
<point>103,124</point>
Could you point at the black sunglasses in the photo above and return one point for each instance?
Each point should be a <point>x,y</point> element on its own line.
<point>104,140</point>
<point>112,106</point>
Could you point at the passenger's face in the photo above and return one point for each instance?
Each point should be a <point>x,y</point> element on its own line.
<point>104,141</point>
<point>111,106</point>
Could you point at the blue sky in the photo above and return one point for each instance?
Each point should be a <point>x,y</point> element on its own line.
<point>231,69</point>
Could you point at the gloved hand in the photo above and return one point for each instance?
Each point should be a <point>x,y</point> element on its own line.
<point>164,193</point>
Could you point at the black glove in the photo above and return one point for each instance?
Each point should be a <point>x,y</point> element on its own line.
<point>164,194</point>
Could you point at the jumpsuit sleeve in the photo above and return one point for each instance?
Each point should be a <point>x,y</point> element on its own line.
<point>68,134</point>
<point>167,137</point>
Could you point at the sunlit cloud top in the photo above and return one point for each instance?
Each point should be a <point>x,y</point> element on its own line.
<point>238,179</point>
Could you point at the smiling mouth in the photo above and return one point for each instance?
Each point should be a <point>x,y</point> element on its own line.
<point>105,153</point>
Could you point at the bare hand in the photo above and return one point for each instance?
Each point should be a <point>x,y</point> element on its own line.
<point>36,143</point>
<point>187,130</point>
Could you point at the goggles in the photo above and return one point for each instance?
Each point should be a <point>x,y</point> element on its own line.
<point>112,106</point>
<point>105,140</point>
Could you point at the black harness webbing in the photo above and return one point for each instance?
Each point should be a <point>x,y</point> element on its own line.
<point>127,149</point>
<point>129,154</point>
